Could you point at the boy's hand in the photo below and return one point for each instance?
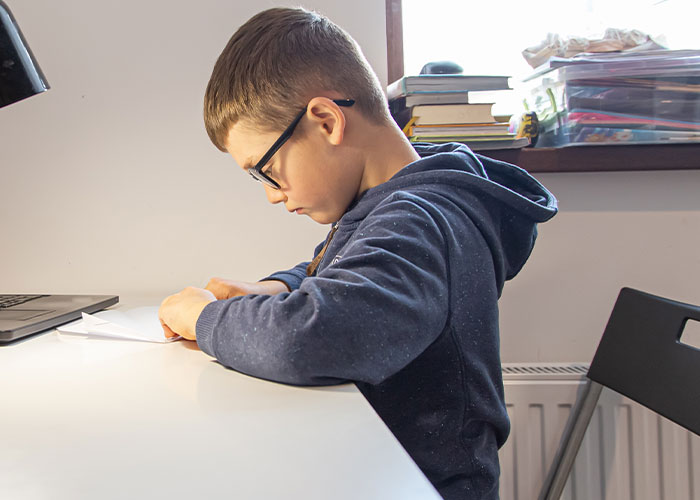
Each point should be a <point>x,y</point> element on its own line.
<point>178,313</point>
<point>225,289</point>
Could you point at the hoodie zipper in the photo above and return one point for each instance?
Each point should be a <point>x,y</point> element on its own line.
<point>311,268</point>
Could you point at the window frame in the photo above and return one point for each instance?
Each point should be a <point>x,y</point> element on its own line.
<point>394,40</point>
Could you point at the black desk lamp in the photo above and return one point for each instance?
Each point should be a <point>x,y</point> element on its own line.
<point>20,75</point>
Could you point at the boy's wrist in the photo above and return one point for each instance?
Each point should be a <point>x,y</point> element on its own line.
<point>194,314</point>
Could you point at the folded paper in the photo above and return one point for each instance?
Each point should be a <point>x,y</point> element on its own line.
<point>139,324</point>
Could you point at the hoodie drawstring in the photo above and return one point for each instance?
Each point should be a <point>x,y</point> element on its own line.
<point>311,268</point>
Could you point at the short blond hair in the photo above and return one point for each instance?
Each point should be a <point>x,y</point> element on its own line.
<point>279,60</point>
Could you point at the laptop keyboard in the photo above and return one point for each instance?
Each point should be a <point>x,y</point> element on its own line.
<point>13,300</point>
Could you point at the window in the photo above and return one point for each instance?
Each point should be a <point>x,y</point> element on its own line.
<point>488,37</point>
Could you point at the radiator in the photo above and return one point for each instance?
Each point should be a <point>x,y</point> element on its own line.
<point>628,452</point>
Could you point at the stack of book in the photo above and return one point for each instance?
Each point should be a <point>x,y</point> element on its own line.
<point>437,108</point>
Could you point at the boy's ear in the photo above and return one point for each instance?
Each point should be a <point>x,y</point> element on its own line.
<point>327,115</point>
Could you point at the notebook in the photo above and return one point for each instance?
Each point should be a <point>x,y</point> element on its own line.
<point>22,315</point>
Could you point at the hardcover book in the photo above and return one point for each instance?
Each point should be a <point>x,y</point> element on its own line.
<point>450,130</point>
<point>408,101</point>
<point>439,114</point>
<point>442,83</point>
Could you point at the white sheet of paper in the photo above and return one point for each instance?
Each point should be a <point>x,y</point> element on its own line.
<point>140,324</point>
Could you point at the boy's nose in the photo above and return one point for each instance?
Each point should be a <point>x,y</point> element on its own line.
<point>274,195</point>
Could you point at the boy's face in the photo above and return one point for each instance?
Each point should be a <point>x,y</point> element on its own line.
<point>317,174</point>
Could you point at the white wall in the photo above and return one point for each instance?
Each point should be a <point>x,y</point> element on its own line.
<point>614,229</point>
<point>115,188</point>
<point>112,169</point>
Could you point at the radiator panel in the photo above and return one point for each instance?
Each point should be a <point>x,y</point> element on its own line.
<point>628,452</point>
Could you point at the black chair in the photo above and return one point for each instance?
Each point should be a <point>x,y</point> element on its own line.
<point>640,356</point>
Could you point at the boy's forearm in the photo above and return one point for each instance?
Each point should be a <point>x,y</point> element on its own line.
<point>272,287</point>
<point>223,288</point>
<point>179,313</point>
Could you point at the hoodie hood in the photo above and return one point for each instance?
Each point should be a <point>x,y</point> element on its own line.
<point>503,200</point>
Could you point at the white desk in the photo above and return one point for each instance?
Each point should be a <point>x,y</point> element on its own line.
<point>104,419</point>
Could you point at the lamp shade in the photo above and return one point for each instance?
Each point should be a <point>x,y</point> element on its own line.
<point>20,75</point>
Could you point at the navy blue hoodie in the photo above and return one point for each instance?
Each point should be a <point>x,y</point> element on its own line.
<point>404,304</point>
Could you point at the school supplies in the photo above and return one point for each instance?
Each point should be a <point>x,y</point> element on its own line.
<point>646,97</point>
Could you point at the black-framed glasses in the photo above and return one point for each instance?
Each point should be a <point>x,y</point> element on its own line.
<point>256,171</point>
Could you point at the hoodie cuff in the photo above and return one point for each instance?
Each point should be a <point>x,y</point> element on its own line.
<point>205,326</point>
<point>290,278</point>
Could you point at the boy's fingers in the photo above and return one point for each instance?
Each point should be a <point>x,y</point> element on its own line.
<point>219,291</point>
<point>166,329</point>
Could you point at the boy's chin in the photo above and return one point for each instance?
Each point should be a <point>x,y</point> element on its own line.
<point>321,218</point>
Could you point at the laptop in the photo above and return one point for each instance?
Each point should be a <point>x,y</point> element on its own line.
<point>22,315</point>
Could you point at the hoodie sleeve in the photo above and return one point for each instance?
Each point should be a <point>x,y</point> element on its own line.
<point>294,276</point>
<point>362,318</point>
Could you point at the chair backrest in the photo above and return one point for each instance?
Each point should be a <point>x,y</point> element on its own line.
<point>642,357</point>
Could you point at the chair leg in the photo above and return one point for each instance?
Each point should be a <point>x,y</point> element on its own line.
<point>571,441</point>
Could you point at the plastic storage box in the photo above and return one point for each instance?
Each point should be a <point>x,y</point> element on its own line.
<point>645,97</point>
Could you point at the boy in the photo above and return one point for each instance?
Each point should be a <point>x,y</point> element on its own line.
<point>401,298</point>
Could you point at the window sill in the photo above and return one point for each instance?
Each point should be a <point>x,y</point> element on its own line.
<point>610,158</point>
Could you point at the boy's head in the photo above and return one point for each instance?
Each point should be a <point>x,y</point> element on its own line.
<point>279,60</point>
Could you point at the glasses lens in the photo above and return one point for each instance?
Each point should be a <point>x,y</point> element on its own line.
<point>260,177</point>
